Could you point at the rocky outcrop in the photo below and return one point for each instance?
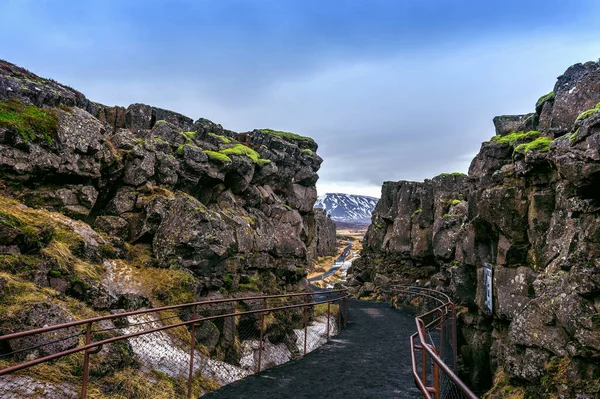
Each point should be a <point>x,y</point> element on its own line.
<point>208,199</point>
<point>530,207</point>
<point>325,241</point>
<point>110,208</point>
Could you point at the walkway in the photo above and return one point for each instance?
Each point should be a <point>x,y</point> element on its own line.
<point>369,359</point>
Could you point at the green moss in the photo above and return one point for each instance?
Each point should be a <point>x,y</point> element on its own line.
<point>451,174</point>
<point>596,320</point>
<point>30,122</point>
<point>543,99</point>
<point>379,225</point>
<point>455,202</point>
<point>228,280</point>
<point>189,136</point>
<point>513,137</point>
<point>251,221</point>
<point>307,151</point>
<point>541,144</point>
<point>217,156</point>
<point>289,208</point>
<point>220,137</point>
<point>588,113</point>
<point>180,149</point>
<point>251,285</point>
<point>160,121</point>
<point>417,212</point>
<point>242,150</point>
<point>54,273</point>
<point>160,140</point>
<point>288,136</point>
<point>573,137</point>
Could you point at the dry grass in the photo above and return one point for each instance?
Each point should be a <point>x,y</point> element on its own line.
<point>321,309</point>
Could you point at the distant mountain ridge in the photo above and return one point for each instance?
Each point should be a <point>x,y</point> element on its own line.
<point>347,207</point>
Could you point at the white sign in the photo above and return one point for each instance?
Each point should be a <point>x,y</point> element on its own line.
<point>487,282</point>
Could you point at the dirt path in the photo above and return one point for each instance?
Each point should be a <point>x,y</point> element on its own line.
<point>370,359</point>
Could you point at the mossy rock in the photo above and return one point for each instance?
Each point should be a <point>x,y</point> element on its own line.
<point>33,124</point>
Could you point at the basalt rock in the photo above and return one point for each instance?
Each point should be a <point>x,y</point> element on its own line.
<point>530,207</point>
<point>208,199</point>
<point>325,242</point>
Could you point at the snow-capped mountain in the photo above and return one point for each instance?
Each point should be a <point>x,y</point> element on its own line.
<point>347,207</point>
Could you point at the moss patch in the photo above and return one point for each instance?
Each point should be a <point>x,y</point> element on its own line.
<point>220,137</point>
<point>541,144</point>
<point>217,156</point>
<point>451,174</point>
<point>288,136</point>
<point>512,138</point>
<point>588,113</point>
<point>546,97</point>
<point>30,122</point>
<point>242,150</point>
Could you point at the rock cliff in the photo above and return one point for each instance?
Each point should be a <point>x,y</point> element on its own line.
<point>105,208</point>
<point>207,199</point>
<point>530,207</point>
<point>325,242</point>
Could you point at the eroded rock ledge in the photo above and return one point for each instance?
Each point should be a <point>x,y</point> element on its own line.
<point>530,206</point>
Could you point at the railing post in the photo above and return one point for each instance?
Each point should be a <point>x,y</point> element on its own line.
<point>436,380</point>
<point>454,343</point>
<point>345,309</point>
<point>442,321</point>
<point>262,328</point>
<point>424,358</point>
<point>328,312</point>
<point>192,347</point>
<point>305,322</point>
<point>86,361</point>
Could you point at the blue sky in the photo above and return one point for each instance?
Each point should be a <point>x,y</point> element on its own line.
<point>389,89</point>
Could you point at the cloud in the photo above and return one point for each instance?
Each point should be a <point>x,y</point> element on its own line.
<point>390,90</point>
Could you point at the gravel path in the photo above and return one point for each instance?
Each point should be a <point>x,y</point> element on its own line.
<point>369,359</point>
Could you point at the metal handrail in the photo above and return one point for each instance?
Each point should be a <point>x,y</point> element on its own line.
<point>93,347</point>
<point>445,308</point>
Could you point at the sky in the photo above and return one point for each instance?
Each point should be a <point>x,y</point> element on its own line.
<point>390,90</point>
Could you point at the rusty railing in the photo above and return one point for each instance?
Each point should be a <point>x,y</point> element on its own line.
<point>187,349</point>
<point>435,338</point>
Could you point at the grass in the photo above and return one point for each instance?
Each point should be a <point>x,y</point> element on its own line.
<point>588,113</point>
<point>217,156</point>
<point>512,138</point>
<point>288,136</point>
<point>30,122</point>
<point>541,144</point>
<point>242,150</point>
<point>321,309</point>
